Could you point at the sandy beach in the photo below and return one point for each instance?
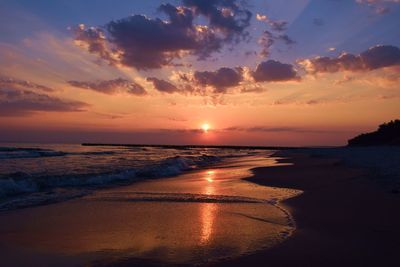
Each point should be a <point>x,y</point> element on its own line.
<point>343,218</point>
<point>200,133</point>
<point>291,209</point>
<point>199,217</point>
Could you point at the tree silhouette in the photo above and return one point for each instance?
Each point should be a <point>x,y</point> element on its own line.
<point>388,134</point>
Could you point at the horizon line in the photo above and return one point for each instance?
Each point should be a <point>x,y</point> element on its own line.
<point>206,146</point>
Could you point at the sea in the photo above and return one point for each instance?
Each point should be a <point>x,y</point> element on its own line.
<point>36,174</point>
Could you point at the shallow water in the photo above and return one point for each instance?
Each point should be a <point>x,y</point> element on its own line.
<point>34,174</point>
<point>195,218</point>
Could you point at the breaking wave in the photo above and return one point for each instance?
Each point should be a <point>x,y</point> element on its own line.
<point>22,183</point>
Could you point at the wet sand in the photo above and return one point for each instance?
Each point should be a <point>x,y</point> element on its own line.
<point>343,218</point>
<point>213,217</point>
<point>199,217</point>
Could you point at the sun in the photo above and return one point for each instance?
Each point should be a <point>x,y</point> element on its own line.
<point>205,127</point>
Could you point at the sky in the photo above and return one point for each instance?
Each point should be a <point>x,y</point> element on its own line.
<point>258,72</point>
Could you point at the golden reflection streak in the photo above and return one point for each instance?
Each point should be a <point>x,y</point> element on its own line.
<point>210,176</point>
<point>209,188</point>
<point>207,213</point>
<point>208,210</point>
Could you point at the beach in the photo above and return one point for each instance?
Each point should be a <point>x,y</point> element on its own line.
<point>282,208</point>
<point>201,216</point>
<point>200,133</point>
<point>343,218</point>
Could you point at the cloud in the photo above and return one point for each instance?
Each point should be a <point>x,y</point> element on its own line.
<point>17,83</point>
<point>266,41</point>
<point>377,1</point>
<point>274,71</point>
<point>18,99</point>
<point>376,57</point>
<point>94,41</point>
<point>163,86</point>
<point>220,80</point>
<point>379,6</point>
<point>382,10</point>
<point>111,86</point>
<point>275,129</point>
<point>226,15</point>
<point>273,34</point>
<point>286,39</point>
<point>276,25</point>
<point>145,43</point>
<point>23,102</point>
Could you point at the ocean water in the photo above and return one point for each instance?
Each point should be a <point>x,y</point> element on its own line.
<point>195,218</point>
<point>34,174</point>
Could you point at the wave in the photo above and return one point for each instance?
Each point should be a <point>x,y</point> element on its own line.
<point>36,199</point>
<point>32,152</point>
<point>22,183</point>
<point>176,197</point>
<point>28,152</point>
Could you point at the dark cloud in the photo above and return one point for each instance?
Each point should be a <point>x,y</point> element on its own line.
<point>146,43</point>
<point>220,79</point>
<point>286,39</point>
<point>275,25</point>
<point>274,71</point>
<point>163,86</point>
<point>279,25</point>
<point>266,40</point>
<point>111,86</point>
<point>273,34</point>
<point>374,58</point>
<point>250,53</point>
<point>12,83</point>
<point>150,44</point>
<point>381,56</point>
<point>95,41</point>
<point>23,102</point>
<point>225,15</point>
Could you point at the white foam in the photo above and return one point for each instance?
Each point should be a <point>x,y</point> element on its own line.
<point>25,183</point>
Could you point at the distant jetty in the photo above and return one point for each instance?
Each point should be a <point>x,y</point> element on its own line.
<point>388,134</point>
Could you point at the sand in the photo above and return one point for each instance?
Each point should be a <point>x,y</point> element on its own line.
<point>343,217</point>
<point>194,218</point>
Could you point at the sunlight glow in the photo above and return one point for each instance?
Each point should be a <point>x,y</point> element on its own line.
<point>210,176</point>
<point>205,127</point>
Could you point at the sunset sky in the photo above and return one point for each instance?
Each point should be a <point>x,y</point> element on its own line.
<point>258,72</point>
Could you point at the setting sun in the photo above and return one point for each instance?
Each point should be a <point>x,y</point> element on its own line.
<point>205,127</point>
<point>166,132</point>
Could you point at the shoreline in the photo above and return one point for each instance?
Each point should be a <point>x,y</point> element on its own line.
<point>342,217</point>
<point>195,218</point>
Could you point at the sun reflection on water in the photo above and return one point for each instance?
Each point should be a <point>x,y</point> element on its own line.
<point>207,215</point>
<point>209,187</point>
<point>208,210</point>
<point>210,176</point>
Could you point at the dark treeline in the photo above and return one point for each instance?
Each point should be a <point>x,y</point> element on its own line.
<point>388,134</point>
